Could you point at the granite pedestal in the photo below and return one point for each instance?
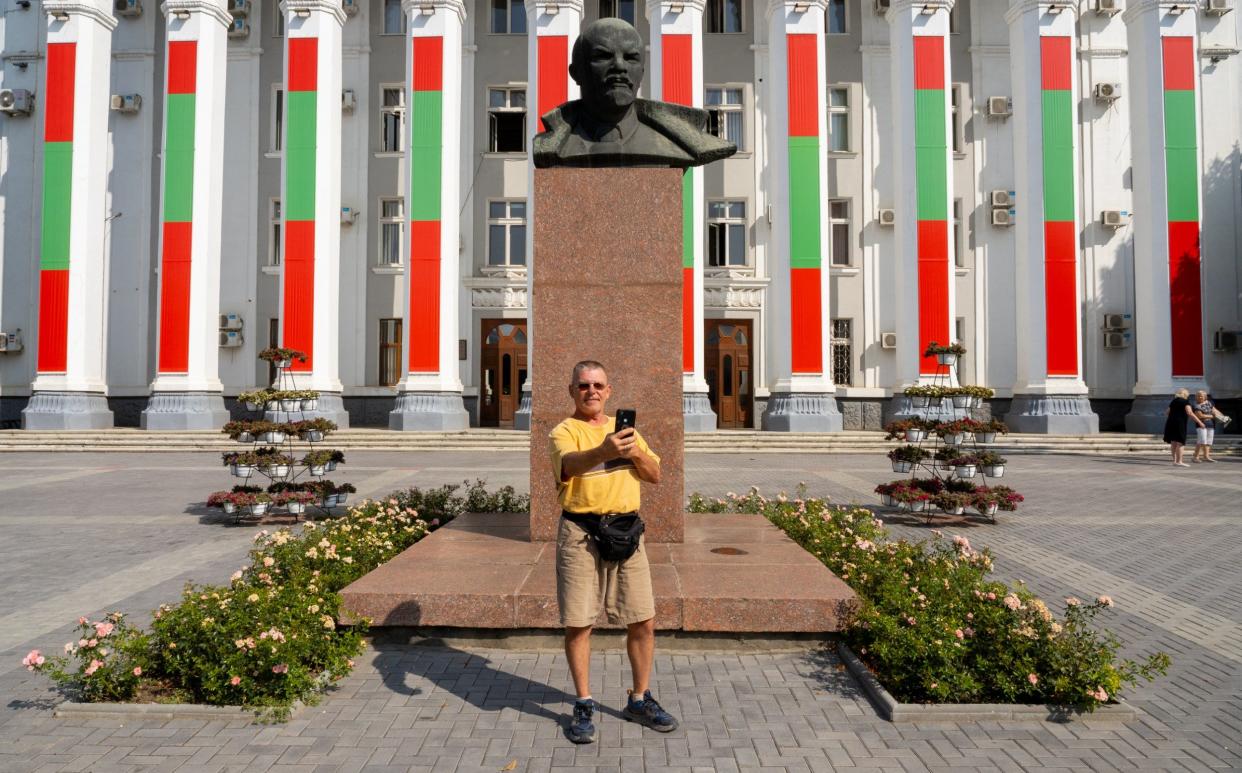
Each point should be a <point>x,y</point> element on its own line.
<point>1052,415</point>
<point>184,411</point>
<point>66,410</point>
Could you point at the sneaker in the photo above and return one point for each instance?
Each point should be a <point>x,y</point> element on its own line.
<point>581,728</point>
<point>645,711</point>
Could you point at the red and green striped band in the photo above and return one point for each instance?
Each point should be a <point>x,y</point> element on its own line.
<point>805,295</point>
<point>301,130</point>
<point>1181,158</point>
<point>57,201</point>
<point>1060,241</point>
<point>677,52</point>
<point>426,150</point>
<point>178,207</point>
<point>931,160</point>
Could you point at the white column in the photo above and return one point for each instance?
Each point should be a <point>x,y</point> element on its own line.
<point>798,339</point>
<point>430,392</point>
<point>70,385</point>
<point>1050,395</point>
<point>1148,24</point>
<point>186,393</point>
<point>552,27</point>
<point>676,75</point>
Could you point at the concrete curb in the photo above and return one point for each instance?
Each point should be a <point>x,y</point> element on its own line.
<point>165,711</point>
<point>900,713</point>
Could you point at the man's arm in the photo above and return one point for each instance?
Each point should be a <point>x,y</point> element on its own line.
<point>645,465</point>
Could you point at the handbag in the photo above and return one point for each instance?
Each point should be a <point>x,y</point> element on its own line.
<point>616,537</point>
<point>1222,418</point>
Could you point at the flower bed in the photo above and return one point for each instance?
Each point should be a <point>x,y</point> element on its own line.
<point>269,637</point>
<point>936,629</point>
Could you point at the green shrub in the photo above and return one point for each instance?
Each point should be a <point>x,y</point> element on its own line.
<point>935,628</point>
<point>105,663</point>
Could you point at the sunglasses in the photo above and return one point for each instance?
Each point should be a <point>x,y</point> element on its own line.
<point>598,387</point>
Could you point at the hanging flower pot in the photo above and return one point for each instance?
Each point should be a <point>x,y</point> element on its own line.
<point>273,405</point>
<point>252,406</point>
<point>900,466</point>
<point>994,471</point>
<point>296,508</point>
<point>919,401</point>
<point>934,401</point>
<point>915,435</point>
<point>282,363</point>
<point>230,508</point>
<point>317,469</point>
<point>329,500</point>
<point>310,403</point>
<point>887,500</point>
<point>342,497</point>
<point>289,406</point>
<point>954,510</point>
<point>985,437</point>
<point>277,437</point>
<point>243,470</point>
<point>988,509</point>
<point>947,358</point>
<point>961,401</point>
<point>954,439</point>
<point>312,435</point>
<point>965,470</point>
<point>279,470</point>
<point>245,437</point>
<point>330,466</point>
<point>259,508</point>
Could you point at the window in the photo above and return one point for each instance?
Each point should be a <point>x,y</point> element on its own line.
<point>278,21</point>
<point>959,248</point>
<point>392,231</point>
<point>273,340</point>
<point>506,233</point>
<point>275,245</point>
<point>843,352</point>
<point>834,18</point>
<point>389,352</point>
<point>394,18</point>
<point>955,108</point>
<point>724,114</point>
<point>508,17</point>
<point>392,116</point>
<point>839,231</point>
<point>839,119</point>
<point>506,118</point>
<point>277,139</point>
<point>724,15</point>
<point>620,9</point>
<point>726,233</point>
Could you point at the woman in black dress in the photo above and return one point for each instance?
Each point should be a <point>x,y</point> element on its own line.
<point>1175,425</point>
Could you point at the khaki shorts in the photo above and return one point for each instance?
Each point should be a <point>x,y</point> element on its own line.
<point>584,581</point>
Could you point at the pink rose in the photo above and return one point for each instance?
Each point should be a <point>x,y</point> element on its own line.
<point>32,660</point>
<point>103,629</point>
<point>92,642</point>
<point>1105,600</point>
<point>959,633</point>
<point>82,621</point>
<point>93,667</point>
<point>235,681</point>
<point>1072,601</point>
<point>1013,602</point>
<point>280,668</point>
<point>991,596</point>
<point>137,670</point>
<point>1032,679</point>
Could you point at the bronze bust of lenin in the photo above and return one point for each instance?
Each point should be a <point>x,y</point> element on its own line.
<point>609,125</point>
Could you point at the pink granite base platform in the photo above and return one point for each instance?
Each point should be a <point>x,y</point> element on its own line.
<point>482,571</point>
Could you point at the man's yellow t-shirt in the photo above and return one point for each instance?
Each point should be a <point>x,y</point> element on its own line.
<point>612,487</point>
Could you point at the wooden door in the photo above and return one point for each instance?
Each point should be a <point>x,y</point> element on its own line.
<point>502,371</point>
<point>727,356</point>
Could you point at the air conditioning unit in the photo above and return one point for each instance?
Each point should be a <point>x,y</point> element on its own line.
<point>1116,340</point>
<point>1003,217</point>
<point>231,322</point>
<point>1000,107</point>
<point>10,343</point>
<point>1114,218</point>
<point>1108,7</point>
<point>126,103</point>
<point>230,339</point>
<point>16,101</point>
<point>239,29</point>
<point>882,6</point>
<point>239,7</point>
<point>1002,199</point>
<point>1219,7</point>
<point>350,6</point>
<point>1118,321</point>
<point>129,8</point>
<point>888,340</point>
<point>886,217</point>
<point>349,100</point>
<point>1224,340</point>
<point>348,215</point>
<point>1107,92</point>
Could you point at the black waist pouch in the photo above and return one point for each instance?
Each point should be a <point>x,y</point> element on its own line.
<point>615,536</point>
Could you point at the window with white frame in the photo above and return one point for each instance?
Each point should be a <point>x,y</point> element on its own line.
<point>843,352</point>
<point>506,233</point>
<point>835,18</point>
<point>839,232</point>
<point>617,9</point>
<point>278,21</point>
<point>508,17</point>
<point>392,230</point>
<point>724,16</point>
<point>394,18</point>
<point>726,233</point>
<point>839,119</point>
<point>959,245</point>
<point>392,118</point>
<point>275,244</point>
<point>725,114</point>
<point>277,138</point>
<point>506,119</point>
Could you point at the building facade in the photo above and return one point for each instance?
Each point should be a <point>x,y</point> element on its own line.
<point>1056,185</point>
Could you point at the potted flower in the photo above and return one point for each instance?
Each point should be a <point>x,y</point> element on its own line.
<point>254,399</point>
<point>912,499</point>
<point>1007,498</point>
<point>268,432</point>
<point>965,466</point>
<point>276,465</point>
<point>952,502</point>
<point>239,431</point>
<point>952,432</point>
<point>945,354</point>
<point>992,464</point>
<point>990,429</point>
<point>977,394</point>
<point>260,504</point>
<point>310,400</point>
<point>343,491</point>
<point>222,500</point>
<point>986,501</point>
<point>241,464</point>
<point>911,430</point>
<point>290,401</point>
<point>338,457</point>
<point>281,357</point>
<point>317,461</point>
<point>920,396</point>
<point>294,502</point>
<point>905,457</point>
<point>313,430</point>
<point>944,455</point>
<point>960,486</point>
<point>885,490</point>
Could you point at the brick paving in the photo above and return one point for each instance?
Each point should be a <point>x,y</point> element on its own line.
<point>86,533</point>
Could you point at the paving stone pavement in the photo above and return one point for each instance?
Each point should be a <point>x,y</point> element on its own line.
<point>86,533</point>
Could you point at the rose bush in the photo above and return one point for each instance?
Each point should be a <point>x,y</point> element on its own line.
<point>936,628</point>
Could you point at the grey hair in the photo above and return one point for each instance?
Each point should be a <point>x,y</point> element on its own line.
<point>586,365</point>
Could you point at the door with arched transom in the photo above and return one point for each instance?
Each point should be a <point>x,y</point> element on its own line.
<point>727,357</point>
<point>502,370</point>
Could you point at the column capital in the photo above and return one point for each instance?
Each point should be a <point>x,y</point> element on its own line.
<point>898,6</point>
<point>1136,8</point>
<point>99,10</point>
<point>1019,8</point>
<point>331,8</point>
<point>214,9</point>
<point>414,7</point>
<point>798,6</point>
<point>655,7</point>
<point>551,7</point>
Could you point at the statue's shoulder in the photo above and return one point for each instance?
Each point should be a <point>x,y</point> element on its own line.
<point>687,126</point>
<point>559,124</point>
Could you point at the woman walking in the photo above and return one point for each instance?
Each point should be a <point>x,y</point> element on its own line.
<point>1175,424</point>
<point>1205,411</point>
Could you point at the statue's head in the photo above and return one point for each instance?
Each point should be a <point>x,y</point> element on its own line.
<point>607,65</point>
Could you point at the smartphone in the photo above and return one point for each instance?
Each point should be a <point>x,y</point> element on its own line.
<point>625,418</point>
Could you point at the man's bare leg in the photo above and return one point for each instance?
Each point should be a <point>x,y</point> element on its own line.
<point>640,644</point>
<point>578,652</point>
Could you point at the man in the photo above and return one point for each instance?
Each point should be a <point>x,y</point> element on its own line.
<point>597,474</point>
<point>609,126</point>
